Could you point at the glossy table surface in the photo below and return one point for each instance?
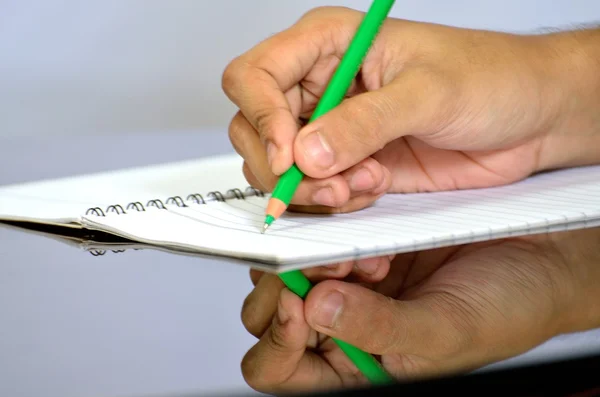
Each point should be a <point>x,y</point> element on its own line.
<point>133,323</point>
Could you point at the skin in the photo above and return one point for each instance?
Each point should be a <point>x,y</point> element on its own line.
<point>433,108</point>
<point>430,313</point>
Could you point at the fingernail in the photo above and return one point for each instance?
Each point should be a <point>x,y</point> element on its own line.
<point>317,150</point>
<point>362,180</point>
<point>368,266</point>
<point>329,309</point>
<point>324,196</point>
<point>271,153</point>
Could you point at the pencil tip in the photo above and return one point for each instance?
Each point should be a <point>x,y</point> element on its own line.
<point>264,228</point>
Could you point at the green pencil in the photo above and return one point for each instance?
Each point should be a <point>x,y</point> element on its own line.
<point>289,181</point>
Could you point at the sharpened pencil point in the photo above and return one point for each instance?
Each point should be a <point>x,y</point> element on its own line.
<point>264,228</point>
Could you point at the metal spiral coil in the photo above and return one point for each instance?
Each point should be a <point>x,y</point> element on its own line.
<point>193,198</point>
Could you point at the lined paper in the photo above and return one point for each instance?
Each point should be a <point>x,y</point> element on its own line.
<point>561,200</point>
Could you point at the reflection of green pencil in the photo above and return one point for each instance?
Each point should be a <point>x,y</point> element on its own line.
<point>289,181</point>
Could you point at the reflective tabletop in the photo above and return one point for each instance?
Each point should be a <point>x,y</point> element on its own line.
<point>133,323</point>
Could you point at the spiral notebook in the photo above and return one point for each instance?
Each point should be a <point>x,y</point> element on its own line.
<point>204,207</point>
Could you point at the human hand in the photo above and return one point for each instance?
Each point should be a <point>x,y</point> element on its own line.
<point>433,108</point>
<point>430,313</point>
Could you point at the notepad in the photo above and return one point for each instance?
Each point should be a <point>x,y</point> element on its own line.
<point>205,207</point>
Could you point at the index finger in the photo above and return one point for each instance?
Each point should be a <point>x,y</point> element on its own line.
<point>279,361</point>
<point>258,80</point>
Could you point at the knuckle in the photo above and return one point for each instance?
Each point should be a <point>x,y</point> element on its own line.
<point>236,134</point>
<point>266,121</point>
<point>255,275</point>
<point>233,75</point>
<point>329,13</point>
<point>332,24</point>
<point>248,316</point>
<point>262,117</point>
<point>318,12</point>
<point>277,339</point>
<point>229,77</point>
<point>252,371</point>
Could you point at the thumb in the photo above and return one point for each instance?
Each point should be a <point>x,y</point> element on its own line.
<point>378,324</point>
<point>365,123</point>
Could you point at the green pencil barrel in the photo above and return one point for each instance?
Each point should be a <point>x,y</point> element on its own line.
<point>287,184</point>
<point>353,57</point>
<point>338,85</point>
<point>289,181</point>
<point>366,363</point>
<point>296,282</point>
<point>299,284</point>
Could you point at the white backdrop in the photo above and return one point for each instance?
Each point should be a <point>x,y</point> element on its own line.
<point>117,66</point>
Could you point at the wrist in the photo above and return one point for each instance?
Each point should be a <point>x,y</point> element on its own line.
<point>570,73</point>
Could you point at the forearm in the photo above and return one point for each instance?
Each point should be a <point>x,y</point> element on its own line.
<point>580,288</point>
<point>572,74</point>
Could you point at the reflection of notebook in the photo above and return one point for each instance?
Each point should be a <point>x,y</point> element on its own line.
<point>203,207</point>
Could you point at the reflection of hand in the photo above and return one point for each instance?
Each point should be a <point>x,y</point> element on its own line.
<point>433,108</point>
<point>428,313</point>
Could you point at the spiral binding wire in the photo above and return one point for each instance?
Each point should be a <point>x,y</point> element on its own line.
<point>193,198</point>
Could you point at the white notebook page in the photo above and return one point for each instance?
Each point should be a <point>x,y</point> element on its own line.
<point>66,199</point>
<point>561,200</point>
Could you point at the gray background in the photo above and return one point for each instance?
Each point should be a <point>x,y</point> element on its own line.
<point>149,72</point>
<point>117,66</point>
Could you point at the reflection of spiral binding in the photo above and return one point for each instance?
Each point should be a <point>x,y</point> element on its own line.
<point>102,252</point>
<point>195,198</point>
